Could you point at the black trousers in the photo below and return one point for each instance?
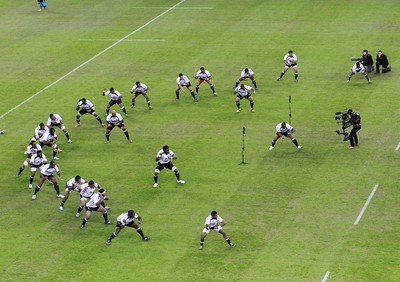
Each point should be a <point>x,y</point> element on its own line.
<point>353,136</point>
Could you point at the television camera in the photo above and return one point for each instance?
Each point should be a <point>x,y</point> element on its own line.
<point>343,119</point>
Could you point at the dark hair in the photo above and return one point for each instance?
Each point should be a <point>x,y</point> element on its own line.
<point>202,68</point>
<point>137,82</point>
<point>165,147</point>
<point>111,89</point>
<point>91,182</point>
<point>246,69</point>
<point>102,191</point>
<point>41,124</point>
<point>180,74</point>
<point>83,100</point>
<point>213,212</point>
<point>77,178</point>
<point>290,51</point>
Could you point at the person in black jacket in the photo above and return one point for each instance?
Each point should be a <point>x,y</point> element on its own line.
<point>367,61</point>
<point>355,120</point>
<point>382,60</point>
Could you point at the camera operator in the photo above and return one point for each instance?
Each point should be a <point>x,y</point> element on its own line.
<point>355,120</point>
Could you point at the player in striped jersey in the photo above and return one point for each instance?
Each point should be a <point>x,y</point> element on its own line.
<point>74,184</point>
<point>87,191</point>
<point>128,219</point>
<point>37,161</point>
<point>30,150</point>
<point>49,139</point>
<point>47,172</point>
<point>284,129</point>
<point>244,75</point>
<point>54,121</point>
<point>358,67</point>
<point>39,131</point>
<point>115,119</point>
<point>290,61</point>
<point>115,98</point>
<point>86,107</point>
<point>204,75</point>
<point>243,91</point>
<point>164,157</point>
<point>140,89</point>
<point>183,81</point>
<point>94,204</point>
<point>214,222</point>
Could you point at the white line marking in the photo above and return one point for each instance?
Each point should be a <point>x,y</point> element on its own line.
<point>366,204</point>
<point>398,147</point>
<point>91,59</point>
<point>180,8</point>
<point>126,40</point>
<point>326,276</point>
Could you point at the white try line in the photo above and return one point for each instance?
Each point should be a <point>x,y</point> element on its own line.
<point>91,59</point>
<point>126,40</point>
<point>177,8</point>
<point>326,276</point>
<point>398,147</point>
<point>366,204</point>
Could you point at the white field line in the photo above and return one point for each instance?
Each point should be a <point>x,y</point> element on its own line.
<point>366,204</point>
<point>326,276</point>
<point>91,59</point>
<point>126,40</point>
<point>180,8</point>
<point>398,147</point>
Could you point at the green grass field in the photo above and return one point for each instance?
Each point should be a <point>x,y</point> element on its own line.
<point>290,213</point>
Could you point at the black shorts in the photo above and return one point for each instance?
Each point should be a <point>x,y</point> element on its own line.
<point>241,97</point>
<point>56,124</point>
<point>169,166</point>
<point>138,94</point>
<point>113,102</point>
<point>111,126</point>
<point>83,111</point>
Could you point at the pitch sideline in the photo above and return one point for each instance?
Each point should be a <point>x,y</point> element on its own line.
<point>326,276</point>
<point>366,204</point>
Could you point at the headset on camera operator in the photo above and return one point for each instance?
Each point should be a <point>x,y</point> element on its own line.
<point>355,120</point>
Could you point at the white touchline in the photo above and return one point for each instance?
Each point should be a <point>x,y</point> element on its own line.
<point>91,59</point>
<point>366,204</point>
<point>398,147</point>
<point>126,40</point>
<point>180,8</point>
<point>326,276</point>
